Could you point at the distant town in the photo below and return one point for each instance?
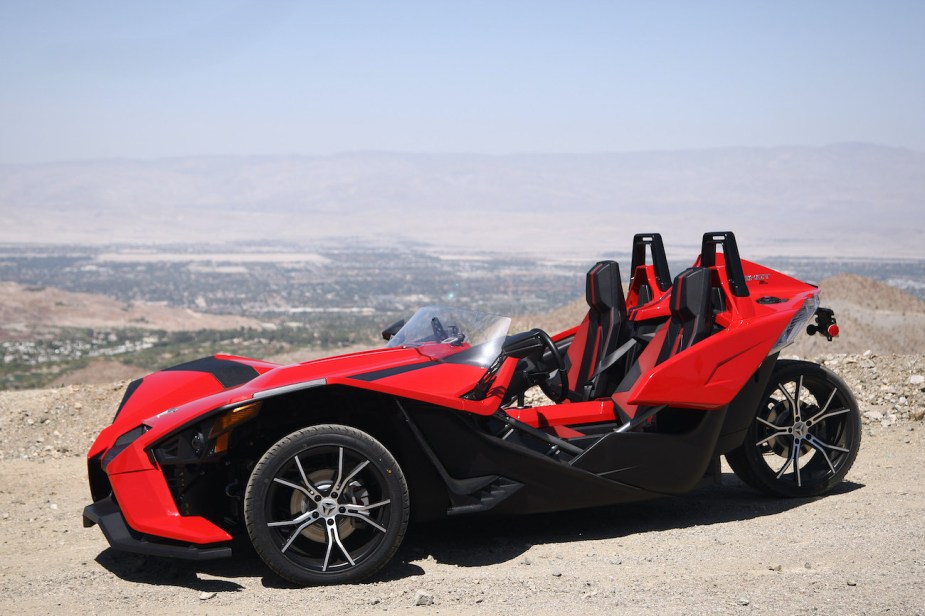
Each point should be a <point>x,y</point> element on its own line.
<point>328,297</point>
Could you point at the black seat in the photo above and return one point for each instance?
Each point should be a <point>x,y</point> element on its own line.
<point>600,334</point>
<point>691,305</point>
<point>691,321</point>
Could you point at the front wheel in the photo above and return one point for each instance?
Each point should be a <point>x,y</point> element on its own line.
<point>805,435</point>
<point>326,504</point>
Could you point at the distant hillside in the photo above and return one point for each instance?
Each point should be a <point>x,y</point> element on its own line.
<point>871,315</point>
<point>24,310</point>
<point>849,199</point>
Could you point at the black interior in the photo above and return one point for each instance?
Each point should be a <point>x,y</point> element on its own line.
<point>606,328</point>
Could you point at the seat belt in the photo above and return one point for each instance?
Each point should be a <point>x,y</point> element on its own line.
<point>611,359</point>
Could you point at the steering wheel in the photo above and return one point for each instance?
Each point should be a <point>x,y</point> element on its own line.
<point>554,383</point>
<point>439,331</point>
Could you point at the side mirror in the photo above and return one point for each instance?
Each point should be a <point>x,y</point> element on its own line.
<point>392,329</point>
<point>523,345</point>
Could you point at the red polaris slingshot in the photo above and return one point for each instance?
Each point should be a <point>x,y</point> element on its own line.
<point>324,463</point>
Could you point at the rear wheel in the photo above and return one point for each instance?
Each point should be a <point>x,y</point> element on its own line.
<point>805,435</point>
<point>326,504</point>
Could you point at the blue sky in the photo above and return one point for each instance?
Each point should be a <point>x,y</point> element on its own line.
<point>83,80</point>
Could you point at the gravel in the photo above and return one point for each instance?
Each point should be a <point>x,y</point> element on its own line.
<point>721,549</point>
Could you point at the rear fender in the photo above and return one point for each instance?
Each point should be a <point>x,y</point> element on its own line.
<point>711,373</point>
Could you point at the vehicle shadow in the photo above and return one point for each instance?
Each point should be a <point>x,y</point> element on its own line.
<point>167,572</point>
<point>246,563</point>
<point>482,540</point>
<point>485,540</point>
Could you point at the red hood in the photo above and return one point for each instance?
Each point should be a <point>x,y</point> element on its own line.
<point>190,389</point>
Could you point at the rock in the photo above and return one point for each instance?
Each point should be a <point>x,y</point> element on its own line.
<point>590,594</point>
<point>852,583</point>
<point>527,561</point>
<point>555,573</point>
<point>205,596</point>
<point>743,601</point>
<point>873,415</point>
<point>776,568</point>
<point>916,379</point>
<point>423,597</point>
<point>918,414</point>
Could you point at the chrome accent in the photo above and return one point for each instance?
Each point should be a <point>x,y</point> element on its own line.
<point>285,389</point>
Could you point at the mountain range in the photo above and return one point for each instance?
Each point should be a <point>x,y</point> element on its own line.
<point>840,200</point>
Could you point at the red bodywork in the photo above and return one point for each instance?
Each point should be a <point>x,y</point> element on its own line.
<point>705,377</point>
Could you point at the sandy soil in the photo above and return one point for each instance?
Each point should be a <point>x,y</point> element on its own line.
<point>723,549</point>
<point>720,550</point>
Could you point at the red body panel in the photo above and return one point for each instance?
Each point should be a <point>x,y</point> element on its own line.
<point>148,507</point>
<point>705,376</point>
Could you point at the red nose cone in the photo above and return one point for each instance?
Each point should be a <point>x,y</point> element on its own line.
<point>833,330</point>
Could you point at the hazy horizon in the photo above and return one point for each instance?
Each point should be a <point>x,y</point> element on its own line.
<point>849,200</point>
<point>112,80</point>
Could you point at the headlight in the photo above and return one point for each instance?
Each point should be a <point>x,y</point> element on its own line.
<point>797,323</point>
<point>205,438</point>
<point>122,442</point>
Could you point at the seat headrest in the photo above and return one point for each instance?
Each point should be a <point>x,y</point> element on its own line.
<point>690,293</point>
<point>604,288</point>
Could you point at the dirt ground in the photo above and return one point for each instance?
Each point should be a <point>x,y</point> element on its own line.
<point>724,549</point>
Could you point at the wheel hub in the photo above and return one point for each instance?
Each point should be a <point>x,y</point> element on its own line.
<point>327,508</point>
<point>800,429</point>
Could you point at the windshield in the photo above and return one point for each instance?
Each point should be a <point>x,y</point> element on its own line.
<point>441,331</point>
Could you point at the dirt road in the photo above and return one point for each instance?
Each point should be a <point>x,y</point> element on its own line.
<point>724,549</point>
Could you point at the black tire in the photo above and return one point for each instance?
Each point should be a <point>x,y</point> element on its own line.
<point>806,453</point>
<point>327,504</point>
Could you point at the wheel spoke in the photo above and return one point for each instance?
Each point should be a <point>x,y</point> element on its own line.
<point>787,395</point>
<point>327,554</point>
<point>334,537</point>
<point>298,520</point>
<point>312,490</point>
<point>824,406</point>
<point>826,445</point>
<point>336,533</point>
<point>768,438</point>
<point>293,486</point>
<point>366,519</point>
<point>819,416</point>
<point>816,444</point>
<point>767,423</point>
<point>786,465</point>
<point>796,458</point>
<point>365,508</point>
<point>297,532</point>
<point>340,471</point>
<point>796,400</point>
<point>338,488</point>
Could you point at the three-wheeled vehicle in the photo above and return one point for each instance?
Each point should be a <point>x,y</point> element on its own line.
<point>322,464</point>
